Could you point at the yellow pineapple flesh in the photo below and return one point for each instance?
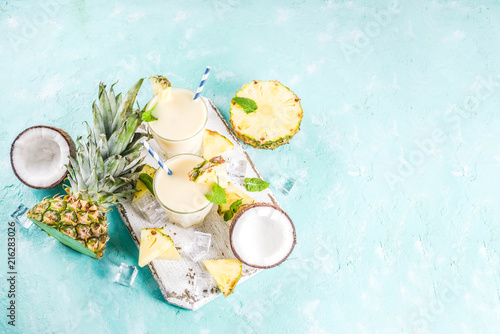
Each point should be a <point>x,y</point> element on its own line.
<point>155,244</point>
<point>226,273</point>
<point>215,144</point>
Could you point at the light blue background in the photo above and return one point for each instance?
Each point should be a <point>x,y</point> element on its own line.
<point>397,200</point>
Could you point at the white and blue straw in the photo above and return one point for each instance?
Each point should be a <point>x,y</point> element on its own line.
<point>156,157</point>
<point>202,83</point>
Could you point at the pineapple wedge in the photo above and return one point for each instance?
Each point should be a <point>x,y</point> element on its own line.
<point>170,254</point>
<point>160,85</point>
<point>210,171</point>
<point>156,244</point>
<point>225,273</point>
<point>215,144</point>
<point>141,187</point>
<point>233,194</point>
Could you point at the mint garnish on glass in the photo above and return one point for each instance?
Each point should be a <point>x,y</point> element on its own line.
<point>147,116</point>
<point>217,196</point>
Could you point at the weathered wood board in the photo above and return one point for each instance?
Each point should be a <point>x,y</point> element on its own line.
<point>176,279</point>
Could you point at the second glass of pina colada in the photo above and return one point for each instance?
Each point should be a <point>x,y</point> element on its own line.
<point>184,201</point>
<point>176,121</point>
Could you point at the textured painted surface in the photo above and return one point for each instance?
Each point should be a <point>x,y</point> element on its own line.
<point>398,158</point>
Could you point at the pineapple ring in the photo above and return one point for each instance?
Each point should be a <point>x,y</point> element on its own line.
<point>276,120</point>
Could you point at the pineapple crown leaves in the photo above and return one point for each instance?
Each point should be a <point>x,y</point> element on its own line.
<point>106,182</point>
<point>108,161</point>
<point>115,120</point>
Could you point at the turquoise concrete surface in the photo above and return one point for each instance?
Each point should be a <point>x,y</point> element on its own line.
<point>397,161</point>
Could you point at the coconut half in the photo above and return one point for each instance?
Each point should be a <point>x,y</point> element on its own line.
<point>262,235</point>
<point>39,154</point>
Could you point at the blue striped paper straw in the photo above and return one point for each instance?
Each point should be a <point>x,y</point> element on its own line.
<point>202,83</point>
<point>156,157</point>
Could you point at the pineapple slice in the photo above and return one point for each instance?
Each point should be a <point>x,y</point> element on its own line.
<point>215,144</point>
<point>140,186</point>
<point>276,120</point>
<point>210,171</point>
<point>225,273</point>
<point>161,86</point>
<point>156,244</point>
<point>170,253</point>
<point>221,177</point>
<point>233,194</point>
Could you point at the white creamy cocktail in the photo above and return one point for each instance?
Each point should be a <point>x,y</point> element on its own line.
<point>180,121</point>
<point>183,200</point>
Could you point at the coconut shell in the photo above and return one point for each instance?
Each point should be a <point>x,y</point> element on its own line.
<point>244,208</point>
<point>69,141</point>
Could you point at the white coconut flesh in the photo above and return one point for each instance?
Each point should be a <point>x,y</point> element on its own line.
<point>262,236</point>
<point>39,156</point>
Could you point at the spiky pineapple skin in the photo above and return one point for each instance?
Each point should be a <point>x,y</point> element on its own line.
<point>80,220</point>
<point>259,143</point>
<point>270,145</point>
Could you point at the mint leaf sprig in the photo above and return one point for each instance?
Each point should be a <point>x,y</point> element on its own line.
<point>228,215</point>
<point>147,116</point>
<point>218,195</point>
<point>148,182</point>
<point>248,105</point>
<point>255,184</point>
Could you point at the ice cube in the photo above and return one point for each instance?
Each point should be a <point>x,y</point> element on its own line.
<point>126,275</point>
<point>201,245</point>
<point>202,241</point>
<point>151,209</point>
<point>237,168</point>
<point>20,216</point>
<point>202,284</point>
<point>285,184</point>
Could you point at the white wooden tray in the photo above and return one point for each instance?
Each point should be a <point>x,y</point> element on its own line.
<point>176,279</point>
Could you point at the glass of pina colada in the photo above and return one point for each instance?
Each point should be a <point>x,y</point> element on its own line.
<point>183,200</point>
<point>177,122</point>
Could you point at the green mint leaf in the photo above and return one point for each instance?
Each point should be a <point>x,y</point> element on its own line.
<point>217,196</point>
<point>228,215</point>
<point>235,205</point>
<point>147,116</point>
<point>255,184</point>
<point>248,105</point>
<point>148,182</point>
